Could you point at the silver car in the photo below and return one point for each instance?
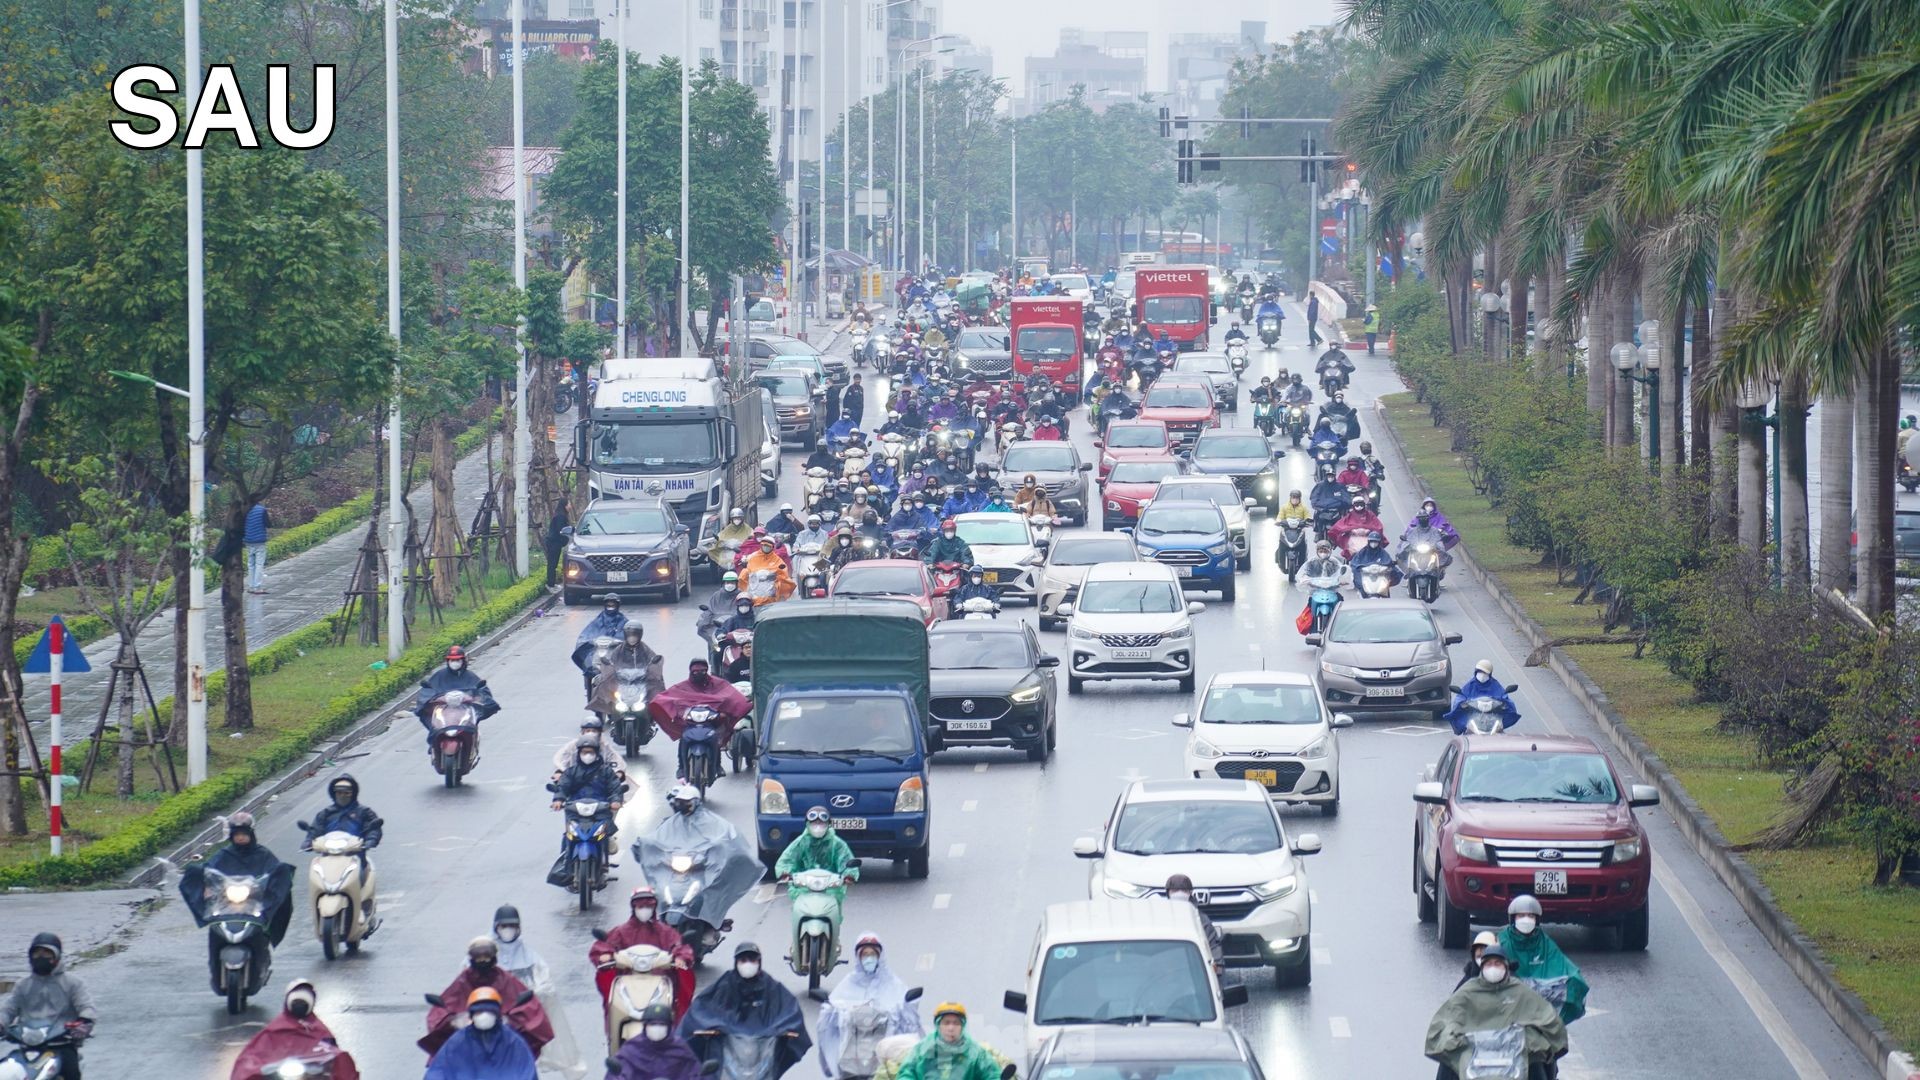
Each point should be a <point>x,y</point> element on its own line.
<point>1385,656</point>
<point>1054,465</point>
<point>1218,371</point>
<point>1066,566</point>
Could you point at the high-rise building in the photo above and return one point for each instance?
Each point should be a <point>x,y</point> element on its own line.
<point>1198,66</point>
<point>1111,65</point>
<point>967,56</point>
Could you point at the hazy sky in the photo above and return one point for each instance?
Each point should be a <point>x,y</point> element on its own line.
<point>1016,29</point>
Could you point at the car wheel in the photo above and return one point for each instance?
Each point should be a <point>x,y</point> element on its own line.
<point>1227,591</point>
<point>1075,686</point>
<point>1298,975</point>
<point>918,866</point>
<point>1186,683</point>
<point>569,598</point>
<point>1330,808</point>
<point>1243,562</point>
<point>1635,930</point>
<point>1053,735</point>
<point>1452,925</point>
<point>1038,751</point>
<point>1423,900</point>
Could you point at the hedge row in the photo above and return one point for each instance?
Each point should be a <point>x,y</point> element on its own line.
<point>179,815</point>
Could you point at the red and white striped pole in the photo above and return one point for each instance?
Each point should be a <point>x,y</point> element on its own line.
<point>56,654</point>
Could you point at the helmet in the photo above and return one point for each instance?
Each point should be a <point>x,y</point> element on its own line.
<point>456,653</point>
<point>1484,667</point>
<point>240,822</point>
<point>484,997</point>
<point>949,523</point>
<point>683,793</point>
<point>634,628</point>
<point>483,946</point>
<point>813,521</point>
<point>1294,494</point>
<point>344,780</point>
<point>644,892</point>
<point>657,1013</point>
<point>1496,951</point>
<point>1524,904</point>
<point>737,514</point>
<point>1178,882</point>
<point>786,508</point>
<point>868,940</point>
<point>1359,501</point>
<point>949,1008</point>
<point>732,578</point>
<point>586,743</point>
<point>1486,938</point>
<point>1374,537</point>
<point>818,813</point>
<point>506,915</point>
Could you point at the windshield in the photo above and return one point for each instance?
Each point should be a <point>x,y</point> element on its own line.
<point>1129,598</point>
<point>1173,310</point>
<point>983,340</point>
<point>792,347</point>
<point>1178,396</point>
<point>642,447</point>
<point>1133,436</point>
<point>1232,446</point>
<point>959,652</point>
<point>1123,282</point>
<point>1045,341</point>
<point>1026,459</point>
<point>1010,532</point>
<point>761,311</point>
<point>1150,1070</point>
<point>1269,704</point>
<point>1199,827</point>
<point>874,724</point>
<point>1142,472</point>
<point>1076,552</point>
<point>879,581</point>
<point>784,386</point>
<point>1375,627</point>
<point>1071,281</point>
<point>620,521</point>
<point>1216,493</point>
<point>1532,777</point>
<point>1180,519</point>
<point>1088,982</point>
<point>1200,362</point>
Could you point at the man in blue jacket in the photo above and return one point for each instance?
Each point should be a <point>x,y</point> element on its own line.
<point>255,536</point>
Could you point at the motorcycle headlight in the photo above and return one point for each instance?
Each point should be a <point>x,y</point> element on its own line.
<point>1343,670</point>
<point>1626,850</point>
<point>911,798</point>
<point>1427,669</point>
<point>773,797</point>
<point>1201,748</point>
<point>237,894</point>
<point>1423,548</point>
<point>681,863</point>
<point>1277,888</point>
<point>1124,890</point>
<point>1470,848</point>
<point>290,1069</point>
<point>1027,695</point>
<point>619,703</point>
<point>1316,749</point>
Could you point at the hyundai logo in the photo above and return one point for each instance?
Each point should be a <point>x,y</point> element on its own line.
<point>966,706</point>
<point>1257,753</point>
<point>841,802</point>
<point>1550,854</point>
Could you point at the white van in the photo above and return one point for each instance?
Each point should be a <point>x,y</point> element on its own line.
<point>1099,962</point>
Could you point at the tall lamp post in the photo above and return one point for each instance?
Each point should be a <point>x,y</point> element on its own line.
<point>196,432</point>
<point>396,511</point>
<point>1628,359</point>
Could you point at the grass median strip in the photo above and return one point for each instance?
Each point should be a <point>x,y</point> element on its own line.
<point>305,690</point>
<point>1870,935</point>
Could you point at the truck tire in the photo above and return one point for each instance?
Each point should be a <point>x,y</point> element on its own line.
<point>1634,930</point>
<point>1451,924</point>
<point>919,864</point>
<point>1423,902</point>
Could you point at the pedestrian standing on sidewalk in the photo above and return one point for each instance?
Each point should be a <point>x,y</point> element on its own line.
<point>1313,318</point>
<point>853,404</point>
<point>1372,326</point>
<point>833,403</point>
<point>556,541</point>
<point>255,537</point>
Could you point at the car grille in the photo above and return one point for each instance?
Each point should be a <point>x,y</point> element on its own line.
<point>1286,773</point>
<point>1129,641</point>
<point>629,563</point>
<point>988,365</point>
<point>1220,912</point>
<point>1244,484</point>
<point>1056,487</point>
<point>956,708</point>
<point>1572,854</point>
<point>1181,557</point>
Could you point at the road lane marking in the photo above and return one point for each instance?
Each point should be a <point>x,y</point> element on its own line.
<point>956,851</point>
<point>764,895</point>
<point>1313,895</point>
<point>924,963</point>
<point>1340,1028</point>
<point>940,902</point>
<point>970,806</point>
<point>980,767</point>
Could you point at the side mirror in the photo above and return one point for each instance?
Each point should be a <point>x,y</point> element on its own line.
<point>1086,847</point>
<point>1249,503</point>
<point>1429,792</point>
<point>1195,607</point>
<point>853,864</point>
<point>1452,639</point>
<point>1312,640</point>
<point>1233,996</point>
<point>1099,444</point>
<point>1063,609</point>
<point>1341,719</point>
<point>599,934</point>
<point>1643,795</point>
<point>1306,844</point>
<point>1049,660</point>
<point>1086,466</point>
<point>1009,1072</point>
<point>433,1000</point>
<point>525,996</point>
<point>1184,720</point>
<point>1015,1001</point>
<point>914,993</point>
<point>566,530</point>
<point>1127,530</point>
<point>680,530</point>
<point>1453,689</point>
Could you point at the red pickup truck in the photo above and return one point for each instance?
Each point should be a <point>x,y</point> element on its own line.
<point>1505,815</point>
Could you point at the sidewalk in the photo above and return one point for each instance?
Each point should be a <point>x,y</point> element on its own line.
<point>301,590</point>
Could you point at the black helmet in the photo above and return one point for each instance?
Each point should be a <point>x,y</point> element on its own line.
<point>345,780</point>
<point>657,1013</point>
<point>506,915</point>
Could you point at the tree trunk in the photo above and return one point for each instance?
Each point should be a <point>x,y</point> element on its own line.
<point>129,662</point>
<point>1879,420</point>
<point>443,539</point>
<point>543,478</point>
<point>1753,481</point>
<point>177,723</point>
<point>1796,568</point>
<point>1599,305</point>
<point>13,718</point>
<point>1673,387</point>
<point>1701,355</point>
<point>1545,350</point>
<point>1517,342</point>
<point>1489,340</point>
<point>508,522</point>
<point>238,700</point>
<point>1624,292</point>
<point>1836,489</point>
<point>1723,473</point>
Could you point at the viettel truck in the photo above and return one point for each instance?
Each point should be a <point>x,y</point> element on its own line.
<point>840,693</point>
<point>670,428</point>
<point>1047,339</point>
<point>1174,299</point>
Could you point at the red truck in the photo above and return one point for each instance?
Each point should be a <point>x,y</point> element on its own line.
<point>1045,333</point>
<point>1174,299</point>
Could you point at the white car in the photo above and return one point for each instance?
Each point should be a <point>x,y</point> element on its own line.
<point>770,464</point>
<point>1130,621</point>
<point>1220,491</point>
<point>1005,546</point>
<point>1067,562</point>
<point>1226,836</point>
<point>1075,285</point>
<point>1270,727</point>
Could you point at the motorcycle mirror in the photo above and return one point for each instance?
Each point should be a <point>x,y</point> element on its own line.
<point>525,996</point>
<point>710,1068</point>
<point>913,993</point>
<point>1009,1072</point>
<point>1453,689</point>
<point>1513,688</point>
<point>599,934</point>
<point>433,1000</point>
<point>818,994</point>
<point>853,864</point>
<point>304,826</point>
<point>1099,444</point>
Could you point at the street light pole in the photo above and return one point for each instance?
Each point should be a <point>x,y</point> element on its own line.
<point>620,184</point>
<point>920,172</point>
<point>522,434</point>
<point>1013,192</point>
<point>196,431</point>
<point>846,127</point>
<point>866,59</point>
<point>820,218</point>
<point>681,317</point>
<point>396,512</point>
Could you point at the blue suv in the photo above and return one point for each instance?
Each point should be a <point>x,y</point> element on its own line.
<point>1190,537</point>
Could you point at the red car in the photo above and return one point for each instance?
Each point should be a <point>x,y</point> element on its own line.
<point>894,579</point>
<point>1505,815</point>
<point>1184,403</point>
<point>1131,483</point>
<point>1132,440</point>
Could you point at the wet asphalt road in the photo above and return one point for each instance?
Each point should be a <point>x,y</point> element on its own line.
<point>1709,999</point>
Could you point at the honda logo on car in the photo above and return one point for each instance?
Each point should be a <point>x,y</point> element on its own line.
<point>653,397</point>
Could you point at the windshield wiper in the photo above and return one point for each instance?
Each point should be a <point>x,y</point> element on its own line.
<point>832,754</point>
<point>1545,798</point>
<point>895,758</point>
<point>1484,798</point>
<point>1147,1018</point>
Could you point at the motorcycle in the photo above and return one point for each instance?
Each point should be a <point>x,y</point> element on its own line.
<point>629,723</point>
<point>1293,547</point>
<point>1043,528</point>
<point>816,924</point>
<point>1486,715</point>
<point>1909,477</point>
<point>40,1043</point>
<point>642,977</point>
<point>1296,423</point>
<point>1342,423</point>
<point>1369,493</point>
<point>736,655</point>
<point>236,912</point>
<point>946,578</point>
<point>979,607</point>
<point>1331,380</point>
<point>860,354</point>
<point>1237,357</point>
<point>1269,331</point>
<point>1496,1055</point>
<point>1424,565</point>
<point>456,735</point>
<point>815,483</point>
<point>904,544</point>
<point>740,747</point>
<point>1375,582</point>
<point>813,586</point>
<point>1322,600</point>
<point>700,748</point>
<point>1326,462</point>
<point>1263,417</point>
<point>589,839</point>
<point>1246,311</point>
<point>340,888</point>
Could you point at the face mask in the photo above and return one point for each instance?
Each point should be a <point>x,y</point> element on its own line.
<point>508,934</point>
<point>484,967</point>
<point>816,830</point>
<point>949,534</point>
<point>1525,923</point>
<point>486,1020</point>
<point>1494,973</point>
<point>343,798</point>
<point>589,759</point>
<point>869,964</point>
<point>747,969</point>
<point>456,665</point>
<point>656,1032</point>
<point>1179,897</point>
<point>643,914</point>
<point>731,587</point>
<point>845,541</point>
<point>43,965</point>
<point>300,1007</point>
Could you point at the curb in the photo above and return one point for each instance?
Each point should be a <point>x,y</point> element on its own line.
<point>154,870</point>
<point>1844,1007</point>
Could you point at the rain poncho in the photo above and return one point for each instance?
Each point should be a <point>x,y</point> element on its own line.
<point>828,852</point>
<point>288,1037</point>
<point>865,1008</point>
<point>1481,686</point>
<point>500,1054</point>
<point>605,624</point>
<point>1536,958</point>
<point>561,1055</point>
<point>1353,521</point>
<point>252,861</point>
<point>529,1019</point>
<point>669,707</point>
<point>1482,1006</point>
<point>759,1013</point>
<point>642,1059</point>
<point>54,996</point>
<point>607,679</point>
<point>937,1059</point>
<point>731,866</point>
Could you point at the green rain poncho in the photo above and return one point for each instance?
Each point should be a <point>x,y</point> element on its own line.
<point>936,1059</point>
<point>1482,1006</point>
<point>1535,956</point>
<point>827,853</point>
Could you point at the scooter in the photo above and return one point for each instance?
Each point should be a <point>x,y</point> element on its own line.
<point>1909,477</point>
<point>1322,600</point>
<point>816,924</point>
<point>1296,421</point>
<point>629,723</point>
<point>642,978</point>
<point>979,607</point>
<point>676,899</point>
<point>456,735</point>
<point>1375,582</point>
<point>1269,331</point>
<point>1486,714</point>
<point>1293,547</point>
<point>860,353</point>
<point>904,543</point>
<point>736,655</point>
<point>340,888</point>
<point>589,835</point>
<point>1237,356</point>
<point>700,748</point>
<point>946,578</point>
<point>1263,417</point>
<point>1424,564</point>
<point>1326,461</point>
<point>40,1043</point>
<point>237,923</point>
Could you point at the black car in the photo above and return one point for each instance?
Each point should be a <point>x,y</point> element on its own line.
<point>992,686</point>
<point>1244,455</point>
<point>1157,1050</point>
<point>627,547</point>
<point>982,352</point>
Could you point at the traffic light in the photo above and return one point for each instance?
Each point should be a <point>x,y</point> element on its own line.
<point>1185,159</point>
<point>1166,122</point>
<point>1246,122</point>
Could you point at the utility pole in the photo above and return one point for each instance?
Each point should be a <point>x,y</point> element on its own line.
<point>1311,168</point>
<point>846,125</point>
<point>196,432</point>
<point>865,57</point>
<point>620,185</point>
<point>522,433</point>
<point>396,506</point>
<point>820,225</point>
<point>682,316</point>
<point>1013,194</point>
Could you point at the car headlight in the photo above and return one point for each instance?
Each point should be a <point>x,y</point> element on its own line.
<point>1113,507</point>
<point>1201,748</point>
<point>911,798</point>
<point>575,569</point>
<point>1124,890</point>
<point>1218,549</point>
<point>1434,668</point>
<point>1277,888</point>
<point>1344,670</point>
<point>1626,850</point>
<point>1317,748</point>
<point>773,797</point>
<point>1471,848</point>
<point>1081,634</point>
<point>1027,695</point>
<point>1266,482</point>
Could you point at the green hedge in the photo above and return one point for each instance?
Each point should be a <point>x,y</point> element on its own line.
<point>178,815</point>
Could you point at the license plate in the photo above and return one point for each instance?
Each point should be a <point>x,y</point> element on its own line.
<point>1133,654</point>
<point>1183,571</point>
<point>1384,691</point>
<point>991,577</point>
<point>1264,777</point>
<point>616,577</point>
<point>1550,882</point>
<point>842,824</point>
<point>969,725</point>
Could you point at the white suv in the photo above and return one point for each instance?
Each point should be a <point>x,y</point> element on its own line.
<point>1269,727</point>
<point>1226,836</point>
<point>1130,621</point>
<point>1005,547</point>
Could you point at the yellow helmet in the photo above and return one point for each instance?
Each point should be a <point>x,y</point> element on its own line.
<point>950,1008</point>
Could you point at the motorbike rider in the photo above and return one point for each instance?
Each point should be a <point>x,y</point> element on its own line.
<point>1294,510</point>
<point>1180,891</point>
<point>1338,409</point>
<point>768,561</point>
<point>814,536</point>
<point>869,527</point>
<point>719,603</point>
<point>784,523</point>
<point>1439,520</point>
<point>591,775</point>
<point>1359,519</point>
<point>1297,391</point>
<point>591,727</point>
<point>871,988</point>
<point>948,1053</point>
<point>1333,361</point>
<point>345,813</point>
<point>296,1033</point>
<point>1264,392</point>
<point>926,518</point>
<point>905,517</point>
<point>242,856</point>
<point>1324,437</point>
<point>1478,685</point>
<point>818,847</point>
<point>1354,474</point>
<point>742,618</point>
<point>960,501</point>
<point>632,652</point>
<point>1482,941</point>
<point>453,675</point>
<point>49,993</point>
<point>608,622</point>
<point>1375,467</point>
<point>1374,554</point>
<point>1329,497</point>
<point>1032,498</point>
<point>1423,527</point>
<point>948,547</point>
<point>1494,1001</point>
<point>658,1054</point>
<point>1324,562</point>
<point>1534,956</point>
<point>700,687</point>
<point>843,550</point>
<point>747,1003</point>
<point>1270,309</point>
<point>644,927</point>
<point>1047,429</point>
<point>480,1049</point>
<point>1235,334</point>
<point>974,587</point>
<point>736,529</point>
<point>997,502</point>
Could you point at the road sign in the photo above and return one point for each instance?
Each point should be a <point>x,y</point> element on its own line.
<point>870,203</point>
<point>41,662</point>
<point>1329,227</point>
<point>1329,245</point>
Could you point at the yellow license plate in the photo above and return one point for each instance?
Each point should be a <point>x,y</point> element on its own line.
<point>1264,777</point>
<point>991,577</point>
